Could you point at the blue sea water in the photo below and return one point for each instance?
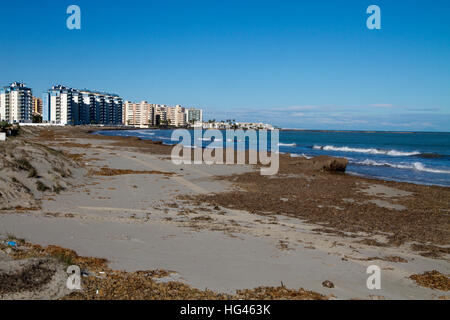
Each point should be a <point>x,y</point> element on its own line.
<point>422,158</point>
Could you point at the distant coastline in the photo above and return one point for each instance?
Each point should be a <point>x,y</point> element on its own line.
<point>363,131</point>
<point>285,129</point>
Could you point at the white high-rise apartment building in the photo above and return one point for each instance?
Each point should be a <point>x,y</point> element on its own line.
<point>194,115</point>
<point>160,114</point>
<point>144,114</point>
<point>69,106</point>
<point>177,116</point>
<point>16,103</point>
<point>138,114</point>
<point>131,113</point>
<point>64,105</point>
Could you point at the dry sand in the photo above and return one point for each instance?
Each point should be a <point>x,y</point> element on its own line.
<point>174,219</point>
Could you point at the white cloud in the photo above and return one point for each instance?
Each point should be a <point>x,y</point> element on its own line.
<point>408,124</point>
<point>382,105</point>
<point>299,108</point>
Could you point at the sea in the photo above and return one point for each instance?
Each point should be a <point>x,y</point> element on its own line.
<point>416,157</point>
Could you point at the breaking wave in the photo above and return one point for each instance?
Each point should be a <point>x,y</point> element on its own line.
<point>144,133</point>
<point>412,166</point>
<point>393,153</point>
<point>287,144</point>
<point>295,155</point>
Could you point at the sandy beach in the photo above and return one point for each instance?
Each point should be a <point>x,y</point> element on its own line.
<point>217,228</point>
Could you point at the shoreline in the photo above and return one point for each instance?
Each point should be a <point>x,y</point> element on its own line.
<point>288,129</point>
<point>291,154</point>
<point>227,228</point>
<point>364,131</point>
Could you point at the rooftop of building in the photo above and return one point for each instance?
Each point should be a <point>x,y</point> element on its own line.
<point>60,87</point>
<point>16,86</point>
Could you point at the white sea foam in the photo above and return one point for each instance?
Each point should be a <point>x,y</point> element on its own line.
<point>393,153</point>
<point>145,132</point>
<point>295,155</point>
<point>287,144</point>
<point>408,166</point>
<point>165,138</point>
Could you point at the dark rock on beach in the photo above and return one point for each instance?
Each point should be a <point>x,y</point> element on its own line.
<point>323,163</point>
<point>328,284</point>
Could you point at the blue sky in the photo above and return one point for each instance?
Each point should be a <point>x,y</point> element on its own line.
<point>295,64</point>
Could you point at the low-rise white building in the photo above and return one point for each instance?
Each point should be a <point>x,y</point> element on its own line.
<point>222,125</point>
